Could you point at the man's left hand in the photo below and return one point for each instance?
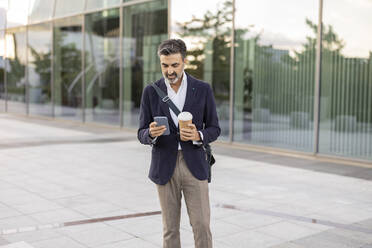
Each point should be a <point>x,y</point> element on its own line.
<point>190,133</point>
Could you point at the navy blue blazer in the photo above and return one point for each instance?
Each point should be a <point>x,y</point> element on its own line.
<point>200,103</point>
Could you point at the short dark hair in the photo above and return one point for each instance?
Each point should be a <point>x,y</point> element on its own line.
<point>172,46</point>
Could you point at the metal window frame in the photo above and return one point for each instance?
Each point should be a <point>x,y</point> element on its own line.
<point>27,91</point>
<point>121,83</point>
<point>84,98</point>
<point>318,71</point>
<point>83,91</point>
<point>52,86</point>
<point>169,19</point>
<point>317,82</point>
<point>52,19</point>
<point>6,61</point>
<point>5,70</point>
<point>232,77</point>
<point>54,9</point>
<point>84,12</point>
<point>53,70</point>
<point>85,4</point>
<point>232,62</point>
<point>121,6</point>
<point>52,63</point>
<point>51,81</point>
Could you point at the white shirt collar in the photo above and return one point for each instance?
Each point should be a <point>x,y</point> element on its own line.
<point>183,84</point>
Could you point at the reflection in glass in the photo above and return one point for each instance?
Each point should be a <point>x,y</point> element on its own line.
<point>16,54</point>
<point>2,70</point>
<point>102,46</point>
<point>39,69</point>
<point>346,83</point>
<point>40,10</point>
<point>17,13</point>
<point>67,65</point>
<point>207,33</point>
<point>145,26</point>
<point>68,7</point>
<point>274,73</point>
<point>98,4</point>
<point>3,13</point>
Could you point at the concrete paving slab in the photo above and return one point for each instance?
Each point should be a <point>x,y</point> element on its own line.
<point>52,180</point>
<point>17,245</point>
<point>61,242</point>
<point>329,240</point>
<point>132,243</point>
<point>250,239</point>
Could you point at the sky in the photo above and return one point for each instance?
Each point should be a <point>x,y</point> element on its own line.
<point>282,22</point>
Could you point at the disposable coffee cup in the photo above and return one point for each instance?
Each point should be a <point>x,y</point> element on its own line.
<point>184,119</point>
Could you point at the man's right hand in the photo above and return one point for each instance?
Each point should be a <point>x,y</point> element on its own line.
<point>156,131</point>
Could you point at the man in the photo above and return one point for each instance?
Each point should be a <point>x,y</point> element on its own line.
<point>178,162</point>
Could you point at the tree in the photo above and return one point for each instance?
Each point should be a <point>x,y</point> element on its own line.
<point>211,34</point>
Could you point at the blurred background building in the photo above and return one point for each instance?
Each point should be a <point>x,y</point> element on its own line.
<point>281,80</point>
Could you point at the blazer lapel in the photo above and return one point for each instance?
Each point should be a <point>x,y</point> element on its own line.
<point>190,94</point>
<point>164,106</point>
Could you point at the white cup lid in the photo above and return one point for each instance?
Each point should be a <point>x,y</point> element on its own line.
<point>185,116</point>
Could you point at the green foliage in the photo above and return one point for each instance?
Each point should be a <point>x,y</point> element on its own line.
<point>212,33</point>
<point>42,64</point>
<point>17,70</point>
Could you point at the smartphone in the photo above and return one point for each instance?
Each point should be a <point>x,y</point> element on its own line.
<point>162,121</point>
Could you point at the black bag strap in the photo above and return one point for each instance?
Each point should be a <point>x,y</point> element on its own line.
<point>165,98</point>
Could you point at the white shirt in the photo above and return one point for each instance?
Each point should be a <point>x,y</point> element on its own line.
<point>179,98</point>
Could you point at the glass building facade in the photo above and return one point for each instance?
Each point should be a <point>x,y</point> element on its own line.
<point>285,76</point>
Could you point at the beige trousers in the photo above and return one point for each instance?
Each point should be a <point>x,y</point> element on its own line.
<point>197,203</point>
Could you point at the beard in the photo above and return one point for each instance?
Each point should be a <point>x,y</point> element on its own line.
<point>172,80</point>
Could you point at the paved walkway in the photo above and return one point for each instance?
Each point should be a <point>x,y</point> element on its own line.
<point>66,185</point>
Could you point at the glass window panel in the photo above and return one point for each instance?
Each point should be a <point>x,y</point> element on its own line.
<point>67,48</point>
<point>274,73</point>
<point>39,69</point>
<point>3,13</point>
<point>206,30</point>
<point>145,26</point>
<point>2,70</point>
<point>40,10</point>
<point>98,4</point>
<point>68,7</point>
<point>346,83</point>
<point>102,46</point>
<point>16,54</point>
<point>17,14</point>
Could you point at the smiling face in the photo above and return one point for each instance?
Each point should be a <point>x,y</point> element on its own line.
<point>172,67</point>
